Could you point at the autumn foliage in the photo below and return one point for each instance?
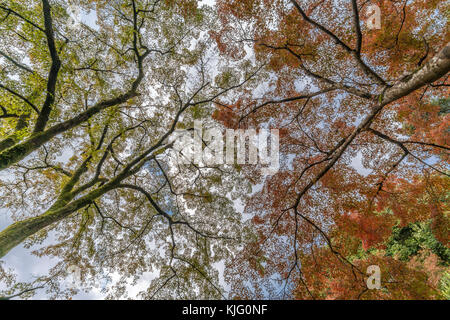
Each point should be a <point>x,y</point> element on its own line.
<point>363,115</point>
<point>316,241</point>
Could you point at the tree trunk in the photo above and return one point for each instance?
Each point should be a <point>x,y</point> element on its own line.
<point>19,151</point>
<point>19,231</point>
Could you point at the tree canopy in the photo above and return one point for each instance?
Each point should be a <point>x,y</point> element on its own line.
<point>88,126</point>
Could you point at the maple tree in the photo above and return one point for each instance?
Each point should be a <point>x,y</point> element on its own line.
<point>340,90</point>
<point>86,150</point>
<point>101,177</point>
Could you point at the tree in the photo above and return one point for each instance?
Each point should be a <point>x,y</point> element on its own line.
<point>119,204</point>
<point>91,162</point>
<point>338,89</point>
<point>29,121</point>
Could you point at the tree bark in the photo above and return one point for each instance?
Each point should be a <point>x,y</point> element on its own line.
<point>19,151</point>
<point>19,231</point>
<point>63,208</point>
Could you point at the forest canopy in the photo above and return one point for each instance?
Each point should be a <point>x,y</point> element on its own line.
<point>97,96</point>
